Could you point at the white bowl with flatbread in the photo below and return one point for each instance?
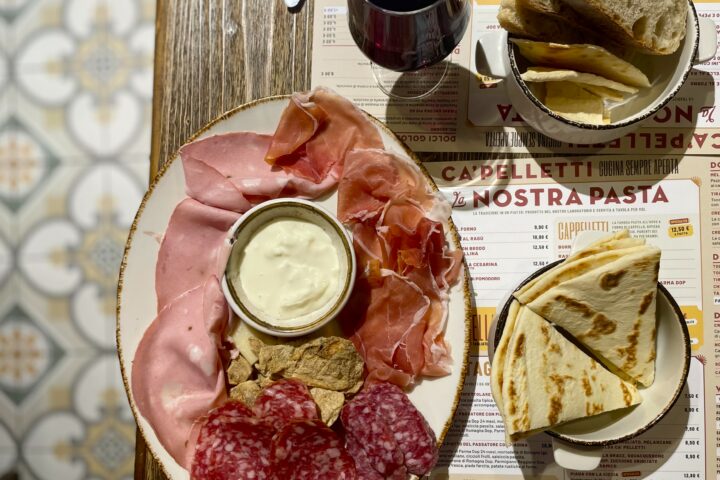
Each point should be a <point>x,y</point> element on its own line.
<point>579,442</point>
<point>666,73</point>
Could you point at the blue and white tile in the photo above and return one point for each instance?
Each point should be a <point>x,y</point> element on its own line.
<point>26,162</point>
<point>96,67</point>
<point>93,437</point>
<point>73,253</point>
<point>8,450</point>
<point>75,92</point>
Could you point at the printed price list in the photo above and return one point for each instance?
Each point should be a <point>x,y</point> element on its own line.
<point>334,30</point>
<point>673,449</point>
<point>501,254</point>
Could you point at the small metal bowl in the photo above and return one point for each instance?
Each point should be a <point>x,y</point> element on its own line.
<point>245,228</point>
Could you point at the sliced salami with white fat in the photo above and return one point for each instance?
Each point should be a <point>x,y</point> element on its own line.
<point>283,401</point>
<point>412,432</point>
<point>386,432</point>
<point>238,447</point>
<point>309,450</point>
<point>361,421</point>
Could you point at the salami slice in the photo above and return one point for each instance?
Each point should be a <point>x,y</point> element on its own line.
<point>362,422</point>
<point>386,432</point>
<point>283,401</point>
<point>410,429</point>
<point>240,447</point>
<point>309,450</point>
<point>363,466</point>
<point>218,417</point>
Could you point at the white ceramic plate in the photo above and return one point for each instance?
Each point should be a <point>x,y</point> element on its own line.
<point>437,398</point>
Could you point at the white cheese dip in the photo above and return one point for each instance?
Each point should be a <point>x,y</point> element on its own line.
<point>289,268</point>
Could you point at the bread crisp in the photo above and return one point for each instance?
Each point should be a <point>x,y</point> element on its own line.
<point>655,27</point>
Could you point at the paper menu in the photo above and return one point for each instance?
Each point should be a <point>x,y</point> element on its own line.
<point>471,113</point>
<point>516,215</point>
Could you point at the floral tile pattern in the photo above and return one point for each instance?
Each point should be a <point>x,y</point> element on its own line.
<point>75,105</point>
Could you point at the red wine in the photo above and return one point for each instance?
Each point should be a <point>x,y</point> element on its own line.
<point>406,35</point>
<point>402,5</point>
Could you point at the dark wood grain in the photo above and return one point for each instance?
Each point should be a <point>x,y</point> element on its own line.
<point>212,55</point>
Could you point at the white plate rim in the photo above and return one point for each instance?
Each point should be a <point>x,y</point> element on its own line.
<point>464,360</point>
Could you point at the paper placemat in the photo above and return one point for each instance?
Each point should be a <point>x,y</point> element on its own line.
<point>471,112</point>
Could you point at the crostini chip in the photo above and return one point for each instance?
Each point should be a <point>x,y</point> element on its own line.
<point>572,102</point>
<point>326,362</point>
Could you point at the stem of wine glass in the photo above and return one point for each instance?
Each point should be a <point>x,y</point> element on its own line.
<point>410,85</point>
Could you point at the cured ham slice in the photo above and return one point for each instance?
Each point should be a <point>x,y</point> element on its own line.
<point>316,131</point>
<point>415,247</point>
<point>398,226</point>
<point>177,374</point>
<point>390,335</point>
<point>229,171</point>
<point>372,177</point>
<point>192,250</point>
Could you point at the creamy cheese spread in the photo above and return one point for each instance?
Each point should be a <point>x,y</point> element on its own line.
<point>289,268</point>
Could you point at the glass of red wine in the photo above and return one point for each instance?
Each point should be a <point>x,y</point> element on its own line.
<point>407,41</point>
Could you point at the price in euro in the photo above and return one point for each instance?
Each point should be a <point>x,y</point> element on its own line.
<point>540,227</point>
<point>540,247</point>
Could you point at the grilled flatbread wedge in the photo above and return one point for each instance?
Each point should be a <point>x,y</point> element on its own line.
<point>609,309</point>
<point>547,380</point>
<point>613,241</point>
<point>498,363</point>
<point>579,263</point>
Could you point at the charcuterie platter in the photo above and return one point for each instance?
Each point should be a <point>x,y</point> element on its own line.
<point>157,339</point>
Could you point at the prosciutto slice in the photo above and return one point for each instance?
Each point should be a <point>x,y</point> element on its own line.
<point>371,178</point>
<point>390,335</point>
<point>192,250</point>
<point>229,171</point>
<point>177,374</point>
<point>316,131</point>
<point>415,247</point>
<point>398,227</point>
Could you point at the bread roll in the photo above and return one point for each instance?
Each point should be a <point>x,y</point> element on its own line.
<point>653,26</point>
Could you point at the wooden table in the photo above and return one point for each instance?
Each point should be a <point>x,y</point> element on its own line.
<point>212,55</point>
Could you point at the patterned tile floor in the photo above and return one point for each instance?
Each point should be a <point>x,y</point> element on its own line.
<point>75,91</point>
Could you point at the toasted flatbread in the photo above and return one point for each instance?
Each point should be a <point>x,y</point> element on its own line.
<point>611,310</point>
<point>547,380</point>
<point>496,371</point>
<point>604,92</point>
<point>583,58</point>
<point>616,241</point>
<point>546,74</point>
<point>569,269</point>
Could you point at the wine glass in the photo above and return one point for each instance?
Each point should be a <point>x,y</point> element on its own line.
<point>407,41</point>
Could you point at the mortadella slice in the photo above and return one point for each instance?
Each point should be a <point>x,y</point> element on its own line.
<point>229,171</point>
<point>192,250</point>
<point>177,374</point>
